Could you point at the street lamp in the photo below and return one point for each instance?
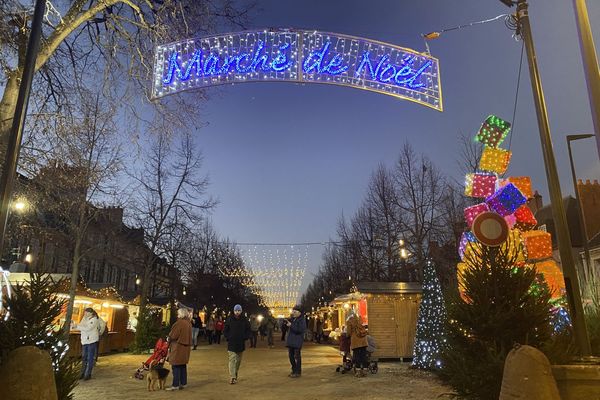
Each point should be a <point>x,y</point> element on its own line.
<point>558,211</point>
<point>582,224</point>
<point>20,205</point>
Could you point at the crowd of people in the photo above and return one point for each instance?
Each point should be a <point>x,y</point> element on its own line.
<point>236,329</point>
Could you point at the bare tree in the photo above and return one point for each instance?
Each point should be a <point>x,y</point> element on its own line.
<point>113,39</point>
<point>172,191</point>
<point>76,175</point>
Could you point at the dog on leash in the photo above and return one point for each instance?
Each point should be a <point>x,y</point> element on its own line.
<point>157,374</point>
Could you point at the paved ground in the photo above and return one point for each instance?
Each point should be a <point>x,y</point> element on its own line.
<point>263,376</point>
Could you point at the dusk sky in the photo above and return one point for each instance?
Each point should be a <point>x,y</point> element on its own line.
<point>285,160</point>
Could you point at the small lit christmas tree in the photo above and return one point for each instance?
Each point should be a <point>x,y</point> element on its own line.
<point>430,340</point>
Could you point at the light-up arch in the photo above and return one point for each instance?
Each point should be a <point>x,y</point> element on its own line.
<point>297,56</point>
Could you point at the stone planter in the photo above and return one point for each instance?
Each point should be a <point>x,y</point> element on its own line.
<point>578,381</point>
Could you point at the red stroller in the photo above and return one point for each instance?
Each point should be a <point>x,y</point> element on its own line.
<point>158,357</point>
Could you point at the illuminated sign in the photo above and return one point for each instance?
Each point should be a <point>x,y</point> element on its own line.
<point>297,56</point>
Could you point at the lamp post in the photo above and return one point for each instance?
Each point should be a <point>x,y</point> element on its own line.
<point>582,224</point>
<point>558,210</point>
<point>590,63</point>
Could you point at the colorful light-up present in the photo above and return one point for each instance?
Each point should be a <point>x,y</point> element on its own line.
<point>493,131</point>
<point>538,244</point>
<point>474,211</point>
<point>514,245</point>
<point>494,160</point>
<point>553,276</point>
<point>511,220</point>
<point>523,183</point>
<point>506,200</point>
<point>466,241</point>
<point>480,185</point>
<point>525,219</point>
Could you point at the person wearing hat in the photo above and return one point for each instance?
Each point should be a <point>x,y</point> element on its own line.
<point>237,331</point>
<point>295,339</point>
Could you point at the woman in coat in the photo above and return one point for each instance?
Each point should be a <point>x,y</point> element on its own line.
<point>358,343</point>
<point>180,339</point>
<point>89,338</point>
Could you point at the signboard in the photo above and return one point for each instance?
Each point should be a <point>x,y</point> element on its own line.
<point>297,56</point>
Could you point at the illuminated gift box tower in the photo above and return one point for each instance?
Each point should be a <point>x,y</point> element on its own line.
<point>506,197</point>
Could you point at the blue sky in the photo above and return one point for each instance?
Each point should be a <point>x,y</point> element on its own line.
<point>285,160</point>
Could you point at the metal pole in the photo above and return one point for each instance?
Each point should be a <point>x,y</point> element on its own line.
<point>586,247</point>
<point>16,132</point>
<point>590,63</point>
<point>558,211</point>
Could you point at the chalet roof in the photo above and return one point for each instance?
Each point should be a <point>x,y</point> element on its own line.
<point>389,287</point>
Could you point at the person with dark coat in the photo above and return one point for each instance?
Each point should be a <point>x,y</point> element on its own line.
<point>180,346</point>
<point>196,325</point>
<point>284,329</point>
<point>269,325</point>
<point>237,331</point>
<point>297,327</point>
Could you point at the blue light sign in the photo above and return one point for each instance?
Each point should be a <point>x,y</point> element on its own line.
<point>297,56</point>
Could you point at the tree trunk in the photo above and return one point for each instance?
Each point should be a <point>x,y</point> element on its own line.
<point>72,290</point>
<point>7,112</point>
<point>143,296</point>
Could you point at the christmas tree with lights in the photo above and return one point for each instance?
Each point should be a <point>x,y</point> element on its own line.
<point>430,340</point>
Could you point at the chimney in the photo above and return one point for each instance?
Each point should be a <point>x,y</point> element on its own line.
<point>535,203</point>
<point>589,194</point>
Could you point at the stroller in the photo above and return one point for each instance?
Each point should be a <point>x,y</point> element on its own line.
<point>158,358</point>
<point>347,362</point>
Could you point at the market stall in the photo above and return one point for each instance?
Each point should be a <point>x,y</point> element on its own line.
<point>389,309</point>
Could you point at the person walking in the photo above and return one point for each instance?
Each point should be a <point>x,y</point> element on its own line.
<point>318,329</point>
<point>284,329</point>
<point>210,329</point>
<point>269,324</point>
<point>358,343</point>
<point>254,325</point>
<point>180,343</point>
<point>88,326</point>
<point>236,331</point>
<point>196,325</point>
<point>219,326</point>
<point>297,328</point>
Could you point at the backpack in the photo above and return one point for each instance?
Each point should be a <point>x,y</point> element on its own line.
<point>101,327</point>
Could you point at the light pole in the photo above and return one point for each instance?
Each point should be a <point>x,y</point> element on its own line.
<point>582,224</point>
<point>590,63</point>
<point>558,210</point>
<point>13,148</point>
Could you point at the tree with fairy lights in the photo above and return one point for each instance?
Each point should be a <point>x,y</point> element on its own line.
<point>430,339</point>
<point>500,303</point>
